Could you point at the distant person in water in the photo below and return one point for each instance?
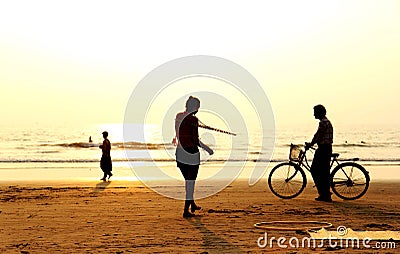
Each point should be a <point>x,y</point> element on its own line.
<point>105,162</point>
<point>320,168</point>
<point>187,151</point>
<point>90,139</point>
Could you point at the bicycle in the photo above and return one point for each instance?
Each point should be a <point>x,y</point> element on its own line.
<point>349,180</point>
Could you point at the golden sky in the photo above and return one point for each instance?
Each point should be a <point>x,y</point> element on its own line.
<point>78,61</point>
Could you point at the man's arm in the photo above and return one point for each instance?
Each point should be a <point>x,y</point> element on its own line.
<point>318,135</point>
<point>206,147</point>
<point>177,124</point>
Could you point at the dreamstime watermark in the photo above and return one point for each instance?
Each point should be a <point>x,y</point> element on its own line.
<point>334,242</point>
<point>235,98</point>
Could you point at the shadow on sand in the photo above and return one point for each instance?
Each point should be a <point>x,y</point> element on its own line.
<point>101,186</point>
<point>213,243</point>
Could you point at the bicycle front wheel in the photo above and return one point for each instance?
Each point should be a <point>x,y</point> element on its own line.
<point>287,180</point>
<point>349,180</point>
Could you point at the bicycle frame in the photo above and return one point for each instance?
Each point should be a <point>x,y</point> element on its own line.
<point>303,162</point>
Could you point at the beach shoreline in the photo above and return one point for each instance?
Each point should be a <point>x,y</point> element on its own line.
<point>80,173</point>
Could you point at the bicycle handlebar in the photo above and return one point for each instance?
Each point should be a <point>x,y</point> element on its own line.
<point>306,147</point>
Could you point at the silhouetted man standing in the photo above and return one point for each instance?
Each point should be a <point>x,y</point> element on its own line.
<point>187,151</point>
<point>320,168</point>
<point>105,162</point>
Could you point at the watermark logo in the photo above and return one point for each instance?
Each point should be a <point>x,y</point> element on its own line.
<point>341,230</point>
<point>339,239</point>
<point>229,95</point>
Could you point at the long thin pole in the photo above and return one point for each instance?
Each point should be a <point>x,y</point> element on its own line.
<point>202,125</point>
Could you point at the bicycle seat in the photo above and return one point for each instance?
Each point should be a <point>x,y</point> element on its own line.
<point>335,155</point>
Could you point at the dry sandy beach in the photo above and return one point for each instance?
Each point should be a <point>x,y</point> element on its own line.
<point>126,217</point>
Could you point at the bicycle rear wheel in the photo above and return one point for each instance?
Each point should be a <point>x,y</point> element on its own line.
<point>287,180</point>
<point>349,180</point>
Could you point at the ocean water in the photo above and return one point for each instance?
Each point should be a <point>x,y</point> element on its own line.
<point>57,145</point>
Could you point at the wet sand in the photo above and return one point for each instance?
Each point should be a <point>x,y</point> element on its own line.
<point>126,217</point>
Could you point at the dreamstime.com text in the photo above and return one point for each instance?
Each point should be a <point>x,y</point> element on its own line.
<point>312,243</point>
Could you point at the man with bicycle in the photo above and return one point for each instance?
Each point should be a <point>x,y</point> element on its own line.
<point>320,168</point>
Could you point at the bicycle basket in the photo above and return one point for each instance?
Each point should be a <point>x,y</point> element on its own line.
<point>296,152</point>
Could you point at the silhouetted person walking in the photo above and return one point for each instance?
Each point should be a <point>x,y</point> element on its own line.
<point>320,168</point>
<point>105,162</point>
<point>187,152</point>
